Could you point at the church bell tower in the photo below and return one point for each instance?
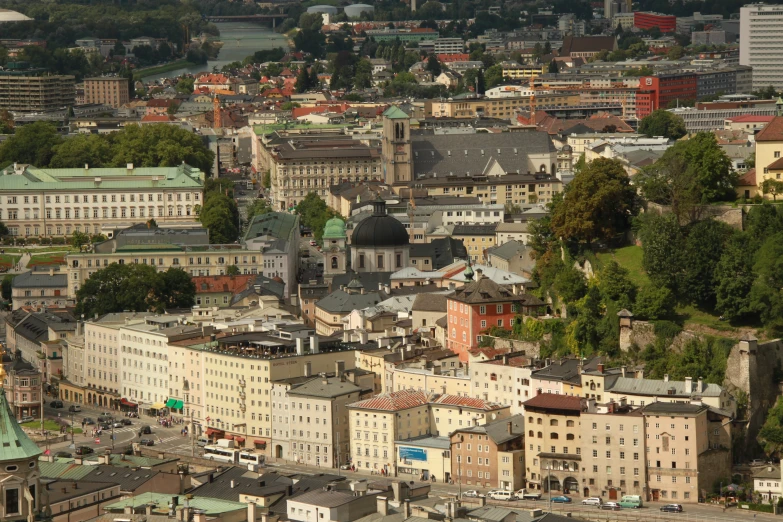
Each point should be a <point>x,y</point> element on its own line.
<point>396,148</point>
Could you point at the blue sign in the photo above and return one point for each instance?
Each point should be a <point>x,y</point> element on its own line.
<point>412,453</point>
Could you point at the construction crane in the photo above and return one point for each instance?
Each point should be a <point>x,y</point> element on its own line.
<point>532,98</point>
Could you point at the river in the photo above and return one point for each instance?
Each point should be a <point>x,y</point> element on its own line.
<point>240,40</point>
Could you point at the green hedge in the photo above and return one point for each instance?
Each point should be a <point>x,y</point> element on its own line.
<point>764,508</point>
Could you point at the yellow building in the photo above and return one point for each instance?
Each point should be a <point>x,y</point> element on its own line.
<point>769,151</point>
<point>517,71</point>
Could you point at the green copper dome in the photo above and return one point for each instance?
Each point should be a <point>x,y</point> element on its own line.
<point>335,229</point>
<point>14,442</point>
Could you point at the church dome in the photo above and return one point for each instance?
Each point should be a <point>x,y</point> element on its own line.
<point>334,229</point>
<point>380,230</point>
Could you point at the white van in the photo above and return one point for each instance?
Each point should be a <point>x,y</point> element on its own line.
<point>202,441</point>
<point>502,495</point>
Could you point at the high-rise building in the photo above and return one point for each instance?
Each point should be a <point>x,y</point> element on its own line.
<point>108,90</point>
<point>760,27</point>
<point>32,90</point>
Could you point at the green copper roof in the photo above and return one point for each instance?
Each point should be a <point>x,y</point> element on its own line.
<point>395,113</point>
<point>108,179</point>
<point>160,504</point>
<point>14,442</point>
<point>334,229</point>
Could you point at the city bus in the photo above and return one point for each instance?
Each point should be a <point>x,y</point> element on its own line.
<point>221,454</point>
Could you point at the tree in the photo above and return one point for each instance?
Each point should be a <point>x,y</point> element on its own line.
<point>3,229</point>
<point>221,217</point>
<point>232,270</point>
<point>185,85</point>
<point>259,207</point>
<point>83,149</point>
<point>314,214</point>
<point>771,434</point>
<point>79,238</point>
<point>663,246</point>
<point>733,277</point>
<point>267,182</point>
<point>363,74</point>
<point>175,290</point>
<point>553,67</point>
<point>766,296</point>
<point>675,53</point>
<point>772,186</point>
<point>703,249</point>
<point>597,205</point>
<point>662,123</point>
<point>32,144</point>
<point>493,76</point>
<point>433,65</point>
<point>6,285</point>
<point>303,80</point>
<point>654,302</point>
<point>570,284</point>
<point>616,285</point>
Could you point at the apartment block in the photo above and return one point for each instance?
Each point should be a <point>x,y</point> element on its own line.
<point>107,90</point>
<point>505,380</point>
<point>33,90</point>
<point>760,27</point>
<point>58,202</point>
<point>490,454</point>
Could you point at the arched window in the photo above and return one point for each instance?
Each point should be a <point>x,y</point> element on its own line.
<point>530,433</point>
<point>553,422</point>
<point>540,435</point>
<point>334,262</point>
<point>539,421</point>
<point>570,424</point>
<point>570,436</point>
<point>554,436</point>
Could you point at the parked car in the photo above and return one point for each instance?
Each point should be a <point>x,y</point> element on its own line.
<point>26,418</point>
<point>672,508</point>
<point>145,430</point>
<point>531,496</point>
<point>84,450</point>
<point>562,499</point>
<point>104,418</point>
<point>74,408</point>
<point>345,466</point>
<point>63,455</point>
<point>313,243</point>
<point>756,462</point>
<point>472,493</point>
<point>117,424</point>
<point>105,426</point>
<point>592,501</point>
<point>611,506</point>
<point>147,442</point>
<point>56,404</point>
<point>88,420</point>
<point>126,422</point>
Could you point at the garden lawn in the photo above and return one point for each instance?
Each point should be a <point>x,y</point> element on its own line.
<point>54,258</point>
<point>629,257</point>
<point>7,260</point>
<point>49,425</point>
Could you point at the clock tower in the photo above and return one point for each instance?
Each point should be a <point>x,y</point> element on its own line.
<point>396,148</point>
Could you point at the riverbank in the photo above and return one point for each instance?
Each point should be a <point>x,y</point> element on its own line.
<point>158,69</point>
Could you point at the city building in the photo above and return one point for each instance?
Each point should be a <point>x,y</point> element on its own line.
<point>275,236</point>
<point>476,238</point>
<point>218,290</point>
<point>769,147</point>
<point>511,256</point>
<point>490,455</point>
<point>504,380</point>
<point>686,24</point>
<point>664,90</point>
<point>378,422</point>
<point>402,34</point>
<point>40,289</point>
<point>309,294</point>
<point>449,45</point>
<point>708,116</point>
<point>766,481</point>
<point>553,454</point>
<point>425,458</point>
<point>724,80</point>
<point>58,202</point>
<point>587,46</point>
<point>106,90</point>
<point>23,388</point>
<point>645,20</point>
<point>759,25</point>
<point>482,304</point>
<point>33,90</point>
<point>379,243</point>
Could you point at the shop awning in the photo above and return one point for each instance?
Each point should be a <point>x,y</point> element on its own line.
<point>158,406</point>
<point>178,405</point>
<point>170,403</point>
<point>126,402</point>
<point>228,437</point>
<point>259,442</point>
<point>213,431</point>
<point>239,439</point>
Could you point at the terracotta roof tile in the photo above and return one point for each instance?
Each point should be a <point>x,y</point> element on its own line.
<point>773,131</point>
<point>210,284</point>
<point>467,402</point>
<point>748,179</point>
<point>552,401</point>
<point>395,401</point>
<point>776,165</point>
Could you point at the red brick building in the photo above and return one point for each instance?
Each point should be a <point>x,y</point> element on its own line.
<point>479,305</point>
<point>657,92</point>
<point>666,23</point>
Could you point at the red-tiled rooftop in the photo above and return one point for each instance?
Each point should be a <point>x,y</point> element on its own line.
<point>518,361</point>
<point>748,179</point>
<point>751,117</point>
<point>551,401</point>
<point>773,131</point>
<point>467,402</point>
<point>211,284</point>
<point>395,401</point>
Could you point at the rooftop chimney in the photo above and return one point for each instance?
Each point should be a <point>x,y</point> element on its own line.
<point>665,377</point>
<point>700,385</point>
<point>382,505</point>
<point>510,427</point>
<point>313,344</point>
<point>622,369</point>
<point>308,369</point>
<point>251,511</point>
<point>600,368</point>
<point>339,368</point>
<point>407,508</point>
<point>688,384</point>
<point>299,346</point>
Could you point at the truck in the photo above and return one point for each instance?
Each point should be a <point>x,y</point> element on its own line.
<point>631,501</point>
<point>225,443</point>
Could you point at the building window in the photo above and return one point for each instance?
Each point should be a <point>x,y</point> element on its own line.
<point>361,260</point>
<point>380,261</point>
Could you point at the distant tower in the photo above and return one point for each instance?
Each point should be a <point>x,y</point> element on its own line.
<point>334,248</point>
<point>565,160</point>
<point>216,120</point>
<point>396,148</point>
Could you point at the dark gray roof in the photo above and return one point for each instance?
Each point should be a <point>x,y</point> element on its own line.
<point>55,489</point>
<point>659,387</point>
<point>40,280</point>
<point>508,249</point>
<point>461,154</point>
<point>443,251</point>
<point>334,387</point>
<point>485,290</point>
<point>245,483</point>
<point>327,499</point>
<point>430,303</point>
<point>341,301</point>
<point>367,279</point>
<point>498,430</point>
<point>474,230</point>
<point>496,513</point>
<point>566,370</point>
